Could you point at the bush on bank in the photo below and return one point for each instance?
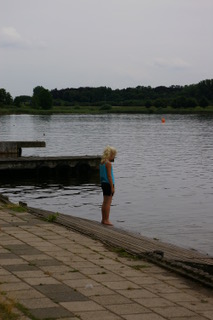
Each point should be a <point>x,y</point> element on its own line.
<point>7,110</point>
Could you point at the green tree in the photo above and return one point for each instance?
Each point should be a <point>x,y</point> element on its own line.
<point>160,103</point>
<point>42,98</point>
<point>191,103</point>
<point>5,97</point>
<point>35,98</point>
<point>46,100</point>
<point>22,100</point>
<point>179,102</point>
<point>203,102</point>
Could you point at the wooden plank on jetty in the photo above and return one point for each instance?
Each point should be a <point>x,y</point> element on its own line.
<point>187,262</point>
<point>41,163</point>
<point>15,147</point>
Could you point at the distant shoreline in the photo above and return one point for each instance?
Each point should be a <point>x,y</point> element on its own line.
<point>11,110</point>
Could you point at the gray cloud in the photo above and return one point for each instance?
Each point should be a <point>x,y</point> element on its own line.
<point>171,63</point>
<point>11,38</point>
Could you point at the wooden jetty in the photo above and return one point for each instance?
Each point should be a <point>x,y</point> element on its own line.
<point>188,263</point>
<point>49,165</point>
<point>11,162</point>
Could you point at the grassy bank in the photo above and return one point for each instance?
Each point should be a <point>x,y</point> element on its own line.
<point>7,110</point>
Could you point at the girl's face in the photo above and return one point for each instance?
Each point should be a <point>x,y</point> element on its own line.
<point>112,158</point>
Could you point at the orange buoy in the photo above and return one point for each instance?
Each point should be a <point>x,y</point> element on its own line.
<point>163,120</point>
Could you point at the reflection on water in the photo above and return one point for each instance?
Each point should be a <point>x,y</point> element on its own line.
<point>68,195</point>
<point>164,180</point>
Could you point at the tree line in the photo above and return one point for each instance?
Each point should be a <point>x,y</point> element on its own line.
<point>41,98</point>
<point>188,96</point>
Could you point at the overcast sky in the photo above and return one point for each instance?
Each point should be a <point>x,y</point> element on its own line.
<point>114,43</point>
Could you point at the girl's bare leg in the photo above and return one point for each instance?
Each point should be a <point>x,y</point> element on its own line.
<point>106,210</point>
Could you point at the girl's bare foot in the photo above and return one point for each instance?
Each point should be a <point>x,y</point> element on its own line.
<point>107,223</point>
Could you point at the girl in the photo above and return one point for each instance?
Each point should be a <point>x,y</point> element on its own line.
<point>107,182</point>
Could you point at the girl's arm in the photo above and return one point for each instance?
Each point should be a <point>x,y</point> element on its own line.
<point>108,167</point>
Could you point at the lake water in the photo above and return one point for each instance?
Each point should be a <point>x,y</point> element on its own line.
<point>163,172</point>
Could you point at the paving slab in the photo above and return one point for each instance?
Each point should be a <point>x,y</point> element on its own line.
<point>191,318</point>
<point>207,314</point>
<point>79,306</point>
<point>94,291</point>
<point>146,316</point>
<point>8,255</point>
<point>30,274</point>
<point>60,292</point>
<point>47,262</point>
<point>36,257</point>
<point>23,249</point>
<point>11,241</point>
<point>137,293</point>
<point>111,299</point>
<point>90,271</point>
<point>171,312</point>
<point>130,308</point>
<point>108,278</point>
<point>154,302</point>
<point>198,306</point>
<point>9,278</point>
<point>51,288</point>
<point>179,296</point>
<point>51,313</point>
<point>8,262</point>
<point>145,280</point>
<point>56,268</point>
<point>38,303</point>
<point>161,288</point>
<point>97,315</point>
<point>20,267</point>
<point>25,294</point>
<point>66,296</point>
<point>14,286</point>
<point>41,281</point>
<point>70,275</point>
<point>4,272</point>
<point>122,284</point>
<point>82,283</point>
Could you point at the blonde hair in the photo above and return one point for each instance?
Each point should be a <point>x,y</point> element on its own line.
<point>108,152</point>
